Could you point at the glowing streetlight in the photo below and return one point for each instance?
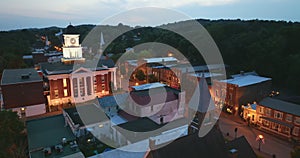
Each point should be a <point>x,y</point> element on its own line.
<point>260,138</point>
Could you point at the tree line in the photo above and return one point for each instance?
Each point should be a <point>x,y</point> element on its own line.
<point>271,48</point>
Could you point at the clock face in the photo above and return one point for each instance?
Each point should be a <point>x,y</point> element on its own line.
<point>73,40</point>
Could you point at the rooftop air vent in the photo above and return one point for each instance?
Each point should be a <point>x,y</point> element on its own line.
<point>25,76</point>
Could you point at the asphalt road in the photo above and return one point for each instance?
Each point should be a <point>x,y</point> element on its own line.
<point>272,145</point>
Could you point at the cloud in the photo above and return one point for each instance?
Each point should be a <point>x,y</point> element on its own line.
<point>175,4</point>
<point>74,8</point>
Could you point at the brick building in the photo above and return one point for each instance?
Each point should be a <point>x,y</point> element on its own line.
<point>240,90</point>
<point>279,117</point>
<point>22,91</point>
<point>75,79</point>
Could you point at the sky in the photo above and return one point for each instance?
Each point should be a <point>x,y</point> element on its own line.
<point>19,14</point>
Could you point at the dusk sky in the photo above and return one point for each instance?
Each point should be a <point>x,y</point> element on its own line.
<point>18,14</point>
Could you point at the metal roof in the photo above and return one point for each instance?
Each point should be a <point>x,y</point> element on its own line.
<point>280,105</point>
<point>246,80</point>
<point>86,114</point>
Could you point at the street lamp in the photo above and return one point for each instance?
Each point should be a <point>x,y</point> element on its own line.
<point>260,138</point>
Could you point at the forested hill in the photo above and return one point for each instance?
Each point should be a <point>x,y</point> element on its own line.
<point>271,48</point>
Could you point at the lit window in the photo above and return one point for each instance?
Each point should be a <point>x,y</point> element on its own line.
<point>289,118</point>
<point>65,82</point>
<point>65,92</point>
<point>261,110</point>
<point>56,93</point>
<point>102,78</point>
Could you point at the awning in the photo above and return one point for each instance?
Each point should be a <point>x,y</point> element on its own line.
<point>277,121</point>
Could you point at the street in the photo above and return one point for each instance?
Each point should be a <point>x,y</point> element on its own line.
<point>271,145</point>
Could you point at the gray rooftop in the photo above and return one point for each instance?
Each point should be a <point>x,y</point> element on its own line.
<point>15,76</point>
<point>244,74</point>
<point>47,132</point>
<point>86,114</point>
<point>280,105</point>
<point>139,129</point>
<point>61,68</point>
<point>115,100</point>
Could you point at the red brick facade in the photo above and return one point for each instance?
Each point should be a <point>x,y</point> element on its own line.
<point>279,122</point>
<point>22,94</point>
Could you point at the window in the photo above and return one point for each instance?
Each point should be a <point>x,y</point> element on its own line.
<point>102,78</point>
<point>261,110</point>
<point>56,93</point>
<point>268,112</point>
<point>288,118</point>
<point>89,86</point>
<point>216,93</point>
<point>278,114</point>
<point>259,118</point>
<point>296,131</point>
<point>297,120</point>
<point>95,84</point>
<point>81,86</point>
<point>266,123</point>
<point>287,130</point>
<point>75,87</point>
<point>65,92</point>
<point>65,82</point>
<point>103,87</point>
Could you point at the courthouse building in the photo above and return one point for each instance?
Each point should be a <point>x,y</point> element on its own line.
<point>75,79</point>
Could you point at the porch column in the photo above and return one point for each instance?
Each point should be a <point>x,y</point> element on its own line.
<point>115,79</point>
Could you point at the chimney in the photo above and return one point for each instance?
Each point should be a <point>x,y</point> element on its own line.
<point>152,143</point>
<point>233,153</point>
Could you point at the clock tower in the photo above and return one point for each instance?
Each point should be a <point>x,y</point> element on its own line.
<point>72,50</point>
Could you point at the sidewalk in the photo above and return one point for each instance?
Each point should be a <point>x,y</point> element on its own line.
<point>273,144</point>
<point>234,118</point>
<point>258,153</point>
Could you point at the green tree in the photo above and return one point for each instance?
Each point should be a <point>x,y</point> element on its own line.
<point>13,140</point>
<point>140,75</point>
<point>295,153</point>
<point>152,78</point>
<point>144,54</point>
